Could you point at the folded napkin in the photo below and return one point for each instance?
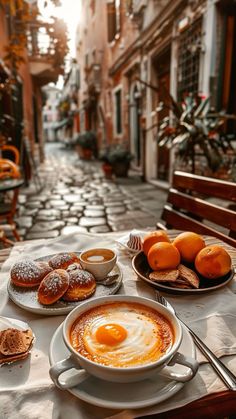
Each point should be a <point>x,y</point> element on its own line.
<point>24,392</point>
<point>123,241</point>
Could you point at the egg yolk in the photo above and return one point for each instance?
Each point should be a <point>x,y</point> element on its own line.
<point>111,334</point>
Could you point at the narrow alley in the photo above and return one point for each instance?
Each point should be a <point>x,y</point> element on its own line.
<point>76,197</point>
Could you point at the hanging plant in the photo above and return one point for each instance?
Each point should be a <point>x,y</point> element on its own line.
<point>22,14</point>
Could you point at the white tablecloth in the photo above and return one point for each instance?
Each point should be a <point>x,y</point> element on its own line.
<point>26,390</point>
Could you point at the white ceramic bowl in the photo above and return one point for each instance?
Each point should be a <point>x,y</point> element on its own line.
<point>119,374</point>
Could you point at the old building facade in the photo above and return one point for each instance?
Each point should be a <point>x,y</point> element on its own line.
<point>28,61</point>
<point>132,54</point>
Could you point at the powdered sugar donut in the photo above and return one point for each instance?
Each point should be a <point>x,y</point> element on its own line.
<point>63,260</point>
<point>53,286</point>
<point>26,273</point>
<point>82,285</point>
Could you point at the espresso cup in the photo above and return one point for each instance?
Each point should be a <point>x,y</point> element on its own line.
<point>86,367</point>
<point>98,262</point>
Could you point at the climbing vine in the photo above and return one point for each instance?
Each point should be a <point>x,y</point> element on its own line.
<point>20,16</point>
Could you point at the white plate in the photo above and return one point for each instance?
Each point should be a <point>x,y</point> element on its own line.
<point>6,323</point>
<point>26,298</point>
<point>126,396</point>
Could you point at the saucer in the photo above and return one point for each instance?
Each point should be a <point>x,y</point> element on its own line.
<point>126,395</point>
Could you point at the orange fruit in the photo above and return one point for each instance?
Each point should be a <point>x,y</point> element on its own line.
<point>213,261</point>
<point>163,255</point>
<point>154,237</point>
<point>188,245</point>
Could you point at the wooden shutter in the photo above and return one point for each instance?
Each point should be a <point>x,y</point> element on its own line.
<point>111,20</point>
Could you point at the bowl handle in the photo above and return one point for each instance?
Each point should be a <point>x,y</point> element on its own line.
<point>66,364</point>
<point>191,364</point>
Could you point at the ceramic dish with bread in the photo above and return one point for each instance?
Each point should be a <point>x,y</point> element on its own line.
<point>55,284</point>
<point>185,265</point>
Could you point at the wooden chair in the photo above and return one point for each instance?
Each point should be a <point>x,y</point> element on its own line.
<point>8,169</point>
<point>14,152</point>
<point>3,239</point>
<point>8,206</point>
<point>188,206</point>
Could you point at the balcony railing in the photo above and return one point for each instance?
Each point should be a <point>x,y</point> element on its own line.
<point>42,52</point>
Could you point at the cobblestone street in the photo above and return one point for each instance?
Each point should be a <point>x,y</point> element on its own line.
<point>77,197</point>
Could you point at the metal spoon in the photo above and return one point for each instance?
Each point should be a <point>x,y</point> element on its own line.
<point>109,280</point>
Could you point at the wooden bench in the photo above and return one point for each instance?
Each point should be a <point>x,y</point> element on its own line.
<point>188,206</point>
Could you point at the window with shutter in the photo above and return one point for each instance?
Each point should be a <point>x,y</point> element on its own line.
<point>117,11</point>
<point>113,19</point>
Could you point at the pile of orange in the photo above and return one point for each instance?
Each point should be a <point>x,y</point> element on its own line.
<point>210,261</point>
<point>213,262</point>
<point>152,238</point>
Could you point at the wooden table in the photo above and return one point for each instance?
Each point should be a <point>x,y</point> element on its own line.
<point>215,406</point>
<point>10,184</point>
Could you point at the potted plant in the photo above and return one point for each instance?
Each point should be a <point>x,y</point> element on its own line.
<point>119,159</point>
<point>195,132</point>
<point>86,144</point>
<point>106,165</point>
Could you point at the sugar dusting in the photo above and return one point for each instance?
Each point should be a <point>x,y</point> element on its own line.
<point>26,270</point>
<point>54,282</point>
<point>58,260</point>
<point>79,276</point>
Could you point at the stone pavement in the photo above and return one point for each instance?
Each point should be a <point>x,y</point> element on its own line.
<point>76,197</point>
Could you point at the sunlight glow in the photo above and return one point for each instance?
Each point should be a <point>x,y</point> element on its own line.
<point>69,11</point>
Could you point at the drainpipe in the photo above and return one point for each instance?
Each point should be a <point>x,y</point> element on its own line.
<point>209,59</point>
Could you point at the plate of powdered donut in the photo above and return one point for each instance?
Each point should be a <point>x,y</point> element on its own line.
<point>55,284</point>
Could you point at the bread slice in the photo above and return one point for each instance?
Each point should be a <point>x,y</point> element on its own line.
<point>14,341</point>
<point>188,276</point>
<point>167,275</point>
<point>12,358</point>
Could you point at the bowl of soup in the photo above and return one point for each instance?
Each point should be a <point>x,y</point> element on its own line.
<point>122,338</point>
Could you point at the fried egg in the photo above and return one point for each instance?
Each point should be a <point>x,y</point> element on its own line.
<point>122,335</point>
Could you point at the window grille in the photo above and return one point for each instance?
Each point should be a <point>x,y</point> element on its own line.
<point>190,44</point>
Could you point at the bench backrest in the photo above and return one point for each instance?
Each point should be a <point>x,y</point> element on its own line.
<point>188,206</point>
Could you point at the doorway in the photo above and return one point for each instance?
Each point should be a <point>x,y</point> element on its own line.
<point>161,65</point>
<point>229,65</point>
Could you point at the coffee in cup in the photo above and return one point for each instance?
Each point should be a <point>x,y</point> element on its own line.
<point>98,261</point>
